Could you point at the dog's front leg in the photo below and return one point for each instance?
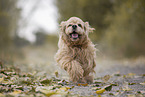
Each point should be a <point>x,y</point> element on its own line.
<point>72,66</point>
<point>75,71</point>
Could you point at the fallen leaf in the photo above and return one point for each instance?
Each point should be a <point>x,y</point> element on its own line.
<point>117,73</point>
<point>56,73</point>
<point>142,83</point>
<point>46,81</point>
<point>127,89</point>
<point>139,95</point>
<point>143,92</point>
<point>111,94</point>
<point>64,88</point>
<point>100,91</point>
<point>96,88</point>
<point>131,83</point>
<point>129,75</point>
<point>62,82</point>
<point>15,92</point>
<point>106,78</point>
<point>108,88</point>
<point>97,82</point>
<point>1,79</point>
<point>82,84</point>
<point>10,73</point>
<point>114,84</point>
<point>48,94</point>
<point>72,87</point>
<point>19,87</point>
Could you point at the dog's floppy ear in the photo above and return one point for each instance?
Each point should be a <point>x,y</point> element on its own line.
<point>87,28</point>
<point>62,26</point>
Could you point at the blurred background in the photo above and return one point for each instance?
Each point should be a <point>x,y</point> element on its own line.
<point>29,30</point>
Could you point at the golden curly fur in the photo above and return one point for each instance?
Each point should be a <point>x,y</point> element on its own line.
<point>76,53</point>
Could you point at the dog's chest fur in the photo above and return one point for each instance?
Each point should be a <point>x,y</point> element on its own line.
<point>78,54</point>
<point>82,52</point>
<point>83,55</point>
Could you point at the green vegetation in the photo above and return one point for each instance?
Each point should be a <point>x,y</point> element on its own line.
<point>9,16</point>
<point>126,32</point>
<point>120,26</point>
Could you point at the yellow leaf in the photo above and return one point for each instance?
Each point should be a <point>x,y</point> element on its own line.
<point>127,89</point>
<point>1,79</point>
<point>17,92</point>
<point>48,94</point>
<point>100,91</point>
<point>68,88</point>
<point>129,75</point>
<point>72,87</point>
<point>99,96</point>
<point>65,88</point>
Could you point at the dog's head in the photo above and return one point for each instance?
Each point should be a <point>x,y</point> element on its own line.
<point>75,28</point>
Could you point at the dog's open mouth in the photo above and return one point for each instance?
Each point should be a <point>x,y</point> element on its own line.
<point>74,35</point>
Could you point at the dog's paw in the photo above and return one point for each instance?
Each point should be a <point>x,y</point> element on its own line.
<point>89,79</point>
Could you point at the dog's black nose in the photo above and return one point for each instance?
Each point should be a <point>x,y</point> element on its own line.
<point>74,26</point>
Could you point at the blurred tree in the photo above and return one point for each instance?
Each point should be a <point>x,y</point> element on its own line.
<point>93,11</point>
<point>20,42</point>
<point>126,34</point>
<point>43,38</point>
<point>9,14</point>
<point>40,38</point>
<point>119,24</point>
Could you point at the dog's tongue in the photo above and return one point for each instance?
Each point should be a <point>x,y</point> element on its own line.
<point>74,35</point>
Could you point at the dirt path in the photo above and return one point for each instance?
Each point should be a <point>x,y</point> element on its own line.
<point>127,82</point>
<point>124,79</point>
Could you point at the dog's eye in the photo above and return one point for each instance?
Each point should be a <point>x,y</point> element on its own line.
<point>79,25</point>
<point>69,25</point>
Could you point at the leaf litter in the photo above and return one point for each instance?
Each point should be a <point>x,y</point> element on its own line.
<point>13,83</point>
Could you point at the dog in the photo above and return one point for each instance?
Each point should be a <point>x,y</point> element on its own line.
<point>76,53</point>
